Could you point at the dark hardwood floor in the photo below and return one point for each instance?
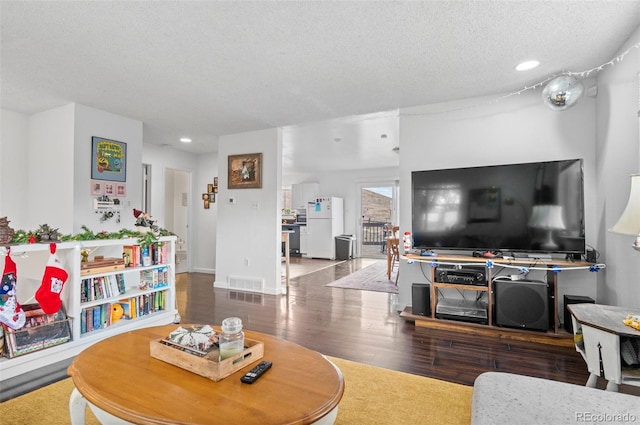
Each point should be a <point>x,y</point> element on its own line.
<point>363,326</point>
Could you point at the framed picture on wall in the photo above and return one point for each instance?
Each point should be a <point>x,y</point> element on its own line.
<point>245,171</point>
<point>108,160</point>
<point>97,188</point>
<point>109,189</point>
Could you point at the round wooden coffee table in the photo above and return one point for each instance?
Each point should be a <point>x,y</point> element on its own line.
<point>119,379</point>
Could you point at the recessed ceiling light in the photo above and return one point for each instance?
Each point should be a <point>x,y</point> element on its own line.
<point>185,140</point>
<point>337,139</point>
<point>527,65</point>
<point>383,136</point>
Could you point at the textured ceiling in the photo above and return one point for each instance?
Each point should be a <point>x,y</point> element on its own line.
<point>204,69</point>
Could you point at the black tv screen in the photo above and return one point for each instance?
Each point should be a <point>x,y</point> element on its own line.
<point>529,207</point>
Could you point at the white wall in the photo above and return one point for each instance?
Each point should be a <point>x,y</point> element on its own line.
<point>14,157</point>
<point>49,176</point>
<point>206,221</point>
<point>618,151</point>
<point>202,223</point>
<point>249,236</point>
<point>481,131</point>
<point>51,153</point>
<point>346,184</point>
<point>90,122</point>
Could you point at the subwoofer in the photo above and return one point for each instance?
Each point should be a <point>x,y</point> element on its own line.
<point>421,299</point>
<point>522,304</point>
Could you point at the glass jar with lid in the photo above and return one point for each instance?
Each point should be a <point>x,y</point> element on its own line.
<point>231,339</point>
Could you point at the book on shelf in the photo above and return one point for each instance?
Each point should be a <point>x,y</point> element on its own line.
<point>126,309</point>
<point>132,254</point>
<point>83,322</point>
<point>121,285</point>
<point>145,256</point>
<point>159,253</point>
<point>101,287</point>
<point>136,256</point>
<point>94,318</point>
<point>89,314</point>
<point>154,278</point>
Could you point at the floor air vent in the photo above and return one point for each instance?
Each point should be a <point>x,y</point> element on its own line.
<point>252,284</point>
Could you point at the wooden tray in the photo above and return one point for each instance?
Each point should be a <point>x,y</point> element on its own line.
<point>207,365</point>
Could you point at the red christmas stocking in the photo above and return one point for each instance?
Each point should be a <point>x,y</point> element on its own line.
<point>11,314</point>
<point>48,294</point>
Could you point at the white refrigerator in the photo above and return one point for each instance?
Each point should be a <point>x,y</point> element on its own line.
<point>325,221</point>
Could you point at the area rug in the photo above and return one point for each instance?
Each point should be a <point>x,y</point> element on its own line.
<point>372,396</point>
<point>370,278</point>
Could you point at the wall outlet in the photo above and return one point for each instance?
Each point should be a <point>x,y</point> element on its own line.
<point>232,200</point>
<point>246,262</point>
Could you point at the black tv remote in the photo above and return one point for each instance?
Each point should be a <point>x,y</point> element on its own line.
<point>256,372</point>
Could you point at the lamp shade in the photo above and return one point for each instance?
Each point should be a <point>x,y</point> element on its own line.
<point>629,221</point>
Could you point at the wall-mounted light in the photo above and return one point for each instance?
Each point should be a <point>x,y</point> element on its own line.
<point>185,140</point>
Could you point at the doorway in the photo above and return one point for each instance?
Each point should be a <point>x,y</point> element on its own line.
<point>176,212</point>
<point>378,206</point>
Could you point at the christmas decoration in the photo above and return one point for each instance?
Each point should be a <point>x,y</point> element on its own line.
<point>562,92</point>
<point>11,314</point>
<point>47,234</point>
<point>143,219</point>
<point>48,294</point>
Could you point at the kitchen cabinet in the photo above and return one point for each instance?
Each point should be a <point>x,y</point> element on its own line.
<point>303,241</point>
<point>294,238</point>
<point>302,193</point>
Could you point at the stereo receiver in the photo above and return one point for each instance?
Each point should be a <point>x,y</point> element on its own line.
<point>466,275</point>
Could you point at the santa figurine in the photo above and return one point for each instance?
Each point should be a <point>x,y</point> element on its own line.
<point>142,218</point>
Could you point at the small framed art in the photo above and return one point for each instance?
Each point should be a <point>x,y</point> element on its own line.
<point>245,171</point>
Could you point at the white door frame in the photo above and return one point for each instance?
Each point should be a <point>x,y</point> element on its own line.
<point>189,213</point>
<point>395,215</point>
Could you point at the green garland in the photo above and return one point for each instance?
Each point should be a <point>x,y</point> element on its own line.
<point>22,237</point>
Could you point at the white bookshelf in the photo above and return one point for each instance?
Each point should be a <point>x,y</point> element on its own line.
<point>31,260</point>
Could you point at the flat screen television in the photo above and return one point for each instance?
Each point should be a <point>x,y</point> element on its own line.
<point>533,207</point>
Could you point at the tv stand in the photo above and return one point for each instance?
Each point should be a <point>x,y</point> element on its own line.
<point>448,317</point>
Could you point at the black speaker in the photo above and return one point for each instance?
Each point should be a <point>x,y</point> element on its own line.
<point>573,299</point>
<point>421,299</point>
<point>522,304</point>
